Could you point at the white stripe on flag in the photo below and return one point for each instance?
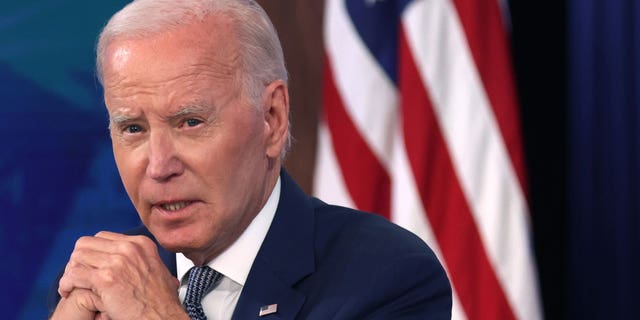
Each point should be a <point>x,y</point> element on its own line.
<point>407,210</point>
<point>361,82</point>
<point>480,158</point>
<point>328,183</point>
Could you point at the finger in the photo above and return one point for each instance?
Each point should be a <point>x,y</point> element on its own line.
<point>94,243</point>
<point>87,300</point>
<point>90,257</point>
<point>88,249</point>
<point>84,276</point>
<point>110,235</point>
<point>80,304</point>
<point>98,280</point>
<point>75,277</point>
<point>145,242</point>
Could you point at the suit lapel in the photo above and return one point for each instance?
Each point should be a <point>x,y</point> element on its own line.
<point>285,257</point>
<point>266,289</point>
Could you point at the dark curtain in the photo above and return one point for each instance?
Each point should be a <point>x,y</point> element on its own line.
<point>604,136</point>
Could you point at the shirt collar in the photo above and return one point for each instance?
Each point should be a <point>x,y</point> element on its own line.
<point>236,261</point>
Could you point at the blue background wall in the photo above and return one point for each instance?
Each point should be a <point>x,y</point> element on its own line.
<point>57,177</point>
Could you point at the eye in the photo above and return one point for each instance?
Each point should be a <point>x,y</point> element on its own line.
<point>192,122</point>
<point>134,128</point>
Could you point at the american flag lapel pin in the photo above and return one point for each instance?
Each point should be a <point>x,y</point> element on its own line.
<point>266,310</point>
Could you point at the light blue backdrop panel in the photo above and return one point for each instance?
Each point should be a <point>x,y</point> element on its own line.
<point>58,180</point>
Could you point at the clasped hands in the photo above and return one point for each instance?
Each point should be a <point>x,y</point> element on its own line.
<point>115,276</point>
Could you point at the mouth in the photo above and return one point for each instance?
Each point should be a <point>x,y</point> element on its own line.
<point>174,206</point>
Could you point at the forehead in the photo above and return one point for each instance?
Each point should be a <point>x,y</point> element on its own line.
<point>201,49</point>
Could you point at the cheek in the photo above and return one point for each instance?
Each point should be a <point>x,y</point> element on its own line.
<point>249,145</point>
<point>229,167</point>
<point>129,169</point>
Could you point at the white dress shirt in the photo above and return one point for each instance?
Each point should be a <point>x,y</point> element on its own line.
<point>234,263</point>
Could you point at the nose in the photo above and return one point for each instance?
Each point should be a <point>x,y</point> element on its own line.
<point>164,160</point>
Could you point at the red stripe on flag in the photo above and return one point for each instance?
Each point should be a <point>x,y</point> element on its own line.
<point>366,179</point>
<point>487,39</point>
<point>447,209</point>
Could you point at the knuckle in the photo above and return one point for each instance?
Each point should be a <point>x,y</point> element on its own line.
<point>69,266</point>
<point>100,234</point>
<point>142,240</point>
<point>63,284</point>
<point>106,277</point>
<point>70,270</point>
<point>76,254</point>
<point>117,261</point>
<point>127,248</point>
<point>145,242</point>
<point>80,242</point>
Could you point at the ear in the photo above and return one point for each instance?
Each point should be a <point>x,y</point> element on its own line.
<point>276,115</point>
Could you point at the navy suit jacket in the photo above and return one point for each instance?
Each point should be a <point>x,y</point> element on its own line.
<point>320,261</point>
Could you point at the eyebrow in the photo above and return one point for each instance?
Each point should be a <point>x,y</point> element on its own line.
<point>185,112</point>
<point>117,119</point>
<point>188,110</point>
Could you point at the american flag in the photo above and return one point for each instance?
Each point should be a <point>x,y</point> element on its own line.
<point>267,310</point>
<point>420,124</point>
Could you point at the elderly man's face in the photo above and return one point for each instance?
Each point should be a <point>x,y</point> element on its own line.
<point>193,152</point>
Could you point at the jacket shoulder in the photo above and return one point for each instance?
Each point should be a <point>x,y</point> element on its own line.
<point>378,269</point>
<point>369,233</point>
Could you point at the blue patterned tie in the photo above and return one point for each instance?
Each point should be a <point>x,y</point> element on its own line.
<point>201,281</point>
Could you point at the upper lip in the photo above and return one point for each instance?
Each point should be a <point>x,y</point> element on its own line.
<point>159,203</point>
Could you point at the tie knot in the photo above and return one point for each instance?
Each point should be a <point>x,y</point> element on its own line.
<point>201,281</point>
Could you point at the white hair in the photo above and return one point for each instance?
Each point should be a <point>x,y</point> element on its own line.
<point>261,56</point>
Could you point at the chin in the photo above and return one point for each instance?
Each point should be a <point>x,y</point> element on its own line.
<point>175,240</point>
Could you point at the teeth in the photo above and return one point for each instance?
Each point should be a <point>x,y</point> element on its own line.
<point>174,206</point>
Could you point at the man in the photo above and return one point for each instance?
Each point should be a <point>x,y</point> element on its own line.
<point>197,98</point>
